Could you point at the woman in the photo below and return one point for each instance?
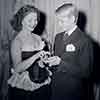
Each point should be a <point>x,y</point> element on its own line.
<point>30,77</point>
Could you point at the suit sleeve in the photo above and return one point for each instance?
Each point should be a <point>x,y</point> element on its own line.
<point>80,67</point>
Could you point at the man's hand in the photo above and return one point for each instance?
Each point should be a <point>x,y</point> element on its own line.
<point>55,60</point>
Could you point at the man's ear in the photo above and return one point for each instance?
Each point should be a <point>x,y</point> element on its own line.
<point>73,18</point>
<point>22,22</point>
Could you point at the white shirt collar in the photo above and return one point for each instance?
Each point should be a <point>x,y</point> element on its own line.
<point>72,30</point>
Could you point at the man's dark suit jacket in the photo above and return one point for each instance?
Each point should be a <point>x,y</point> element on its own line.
<point>71,79</point>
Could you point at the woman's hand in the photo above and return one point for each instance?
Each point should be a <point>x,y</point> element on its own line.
<point>55,60</point>
<point>42,54</point>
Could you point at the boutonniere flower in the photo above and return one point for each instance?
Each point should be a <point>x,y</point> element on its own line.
<point>70,48</point>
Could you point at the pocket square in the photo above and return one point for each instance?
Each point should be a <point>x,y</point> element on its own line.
<point>70,48</point>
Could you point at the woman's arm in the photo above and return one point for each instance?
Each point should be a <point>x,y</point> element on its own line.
<point>19,65</point>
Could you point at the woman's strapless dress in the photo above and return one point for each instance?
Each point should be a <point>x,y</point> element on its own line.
<point>36,73</point>
<point>33,74</point>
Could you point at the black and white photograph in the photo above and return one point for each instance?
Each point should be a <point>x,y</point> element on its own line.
<point>49,50</point>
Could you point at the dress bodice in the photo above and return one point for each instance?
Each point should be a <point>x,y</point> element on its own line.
<point>36,73</point>
<point>25,80</point>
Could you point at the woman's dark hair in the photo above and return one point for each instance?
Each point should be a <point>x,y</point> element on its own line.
<point>16,21</point>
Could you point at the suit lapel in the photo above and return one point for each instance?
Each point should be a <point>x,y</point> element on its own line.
<point>61,44</point>
<point>73,37</point>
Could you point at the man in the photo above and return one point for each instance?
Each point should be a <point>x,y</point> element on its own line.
<point>73,58</point>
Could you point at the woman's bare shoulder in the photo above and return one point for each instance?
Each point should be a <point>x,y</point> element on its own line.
<point>16,41</point>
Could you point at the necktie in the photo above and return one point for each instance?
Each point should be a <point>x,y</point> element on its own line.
<point>65,36</point>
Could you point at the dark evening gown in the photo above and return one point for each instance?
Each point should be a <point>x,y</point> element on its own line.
<point>37,75</point>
